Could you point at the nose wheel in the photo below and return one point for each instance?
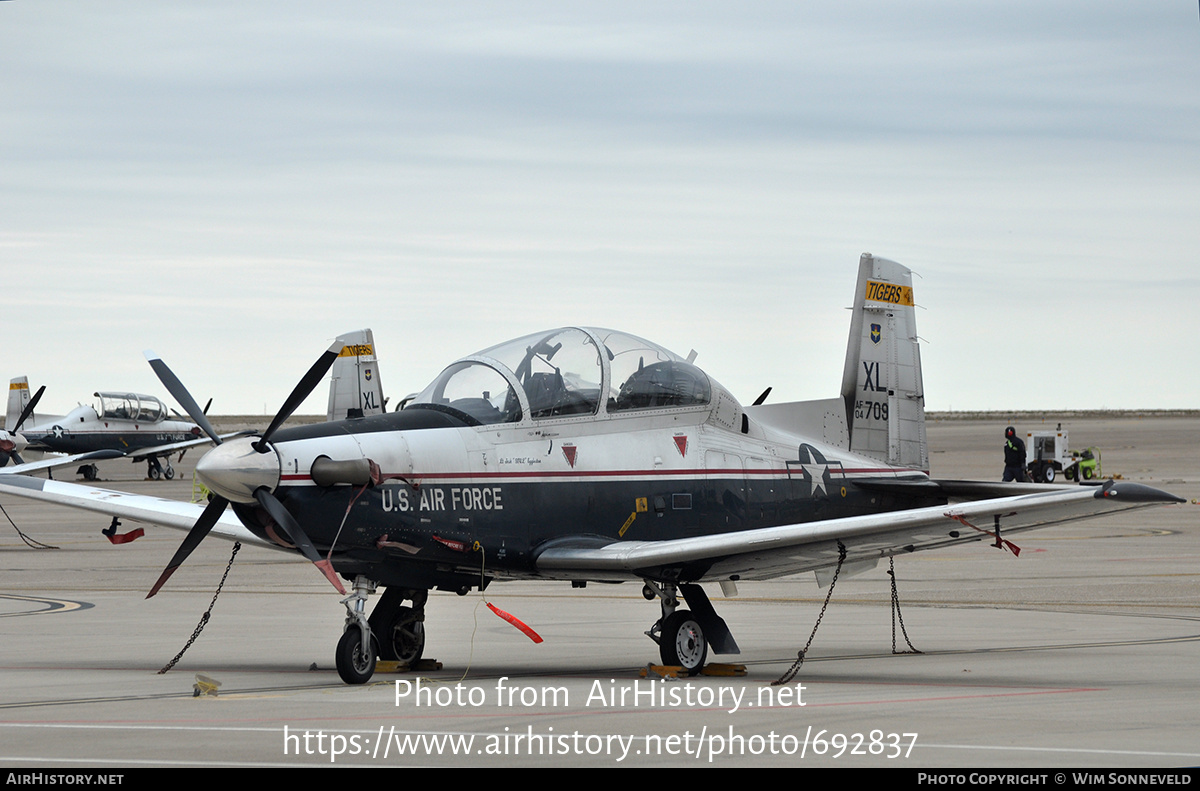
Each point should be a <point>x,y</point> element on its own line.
<point>356,664</point>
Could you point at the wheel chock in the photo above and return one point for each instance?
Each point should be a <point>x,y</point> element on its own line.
<point>205,686</point>
<point>662,671</point>
<point>421,665</point>
<point>675,671</point>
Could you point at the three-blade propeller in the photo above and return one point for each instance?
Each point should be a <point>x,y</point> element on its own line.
<point>265,498</point>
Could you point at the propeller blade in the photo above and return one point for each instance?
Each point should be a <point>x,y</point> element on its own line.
<point>212,512</point>
<point>28,409</point>
<point>206,406</point>
<point>288,523</point>
<point>758,401</point>
<point>305,386</point>
<point>180,394</point>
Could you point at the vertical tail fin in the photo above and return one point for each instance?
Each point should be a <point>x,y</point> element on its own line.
<point>18,397</point>
<point>881,383</point>
<point>354,386</point>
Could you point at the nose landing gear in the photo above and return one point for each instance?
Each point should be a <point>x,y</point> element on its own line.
<point>393,633</point>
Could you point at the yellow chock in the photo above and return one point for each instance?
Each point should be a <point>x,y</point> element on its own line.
<point>423,665</point>
<point>205,686</point>
<point>719,669</point>
<point>662,671</point>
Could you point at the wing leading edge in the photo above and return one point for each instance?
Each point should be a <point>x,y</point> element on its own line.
<point>789,549</point>
<point>134,507</point>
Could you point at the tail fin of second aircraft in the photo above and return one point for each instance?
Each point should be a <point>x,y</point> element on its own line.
<point>881,383</point>
<point>354,387</point>
<point>18,398</point>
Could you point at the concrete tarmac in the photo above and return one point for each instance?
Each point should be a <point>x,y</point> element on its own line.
<point>1081,652</point>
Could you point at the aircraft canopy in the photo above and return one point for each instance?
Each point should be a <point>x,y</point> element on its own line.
<point>130,406</point>
<point>565,372</point>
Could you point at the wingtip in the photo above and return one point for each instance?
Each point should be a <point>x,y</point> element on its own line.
<point>1136,493</point>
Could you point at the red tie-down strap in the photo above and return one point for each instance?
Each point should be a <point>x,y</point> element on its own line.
<point>1001,543</point>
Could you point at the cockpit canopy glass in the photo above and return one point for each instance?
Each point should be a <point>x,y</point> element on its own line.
<point>130,406</point>
<point>561,373</point>
<point>472,388</point>
<point>644,375</point>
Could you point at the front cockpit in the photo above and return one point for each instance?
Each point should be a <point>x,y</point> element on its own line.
<point>130,406</point>
<point>562,373</point>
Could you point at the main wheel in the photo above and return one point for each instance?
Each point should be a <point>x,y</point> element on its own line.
<point>352,666</point>
<point>169,472</point>
<point>403,637</point>
<point>153,473</point>
<point>682,642</point>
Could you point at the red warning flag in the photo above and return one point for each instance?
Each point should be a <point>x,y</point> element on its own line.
<point>124,538</point>
<point>517,622</point>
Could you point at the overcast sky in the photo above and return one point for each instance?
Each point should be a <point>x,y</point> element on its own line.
<point>234,184</point>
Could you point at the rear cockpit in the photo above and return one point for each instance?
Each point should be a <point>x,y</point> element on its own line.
<point>568,372</point>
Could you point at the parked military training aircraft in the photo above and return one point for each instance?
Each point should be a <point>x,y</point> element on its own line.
<point>134,426</point>
<point>584,454</point>
<point>130,425</point>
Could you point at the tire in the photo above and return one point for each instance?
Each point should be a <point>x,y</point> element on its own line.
<point>352,666</point>
<point>1088,474</point>
<point>1048,474</point>
<point>681,642</point>
<point>169,473</point>
<point>153,473</point>
<point>403,637</point>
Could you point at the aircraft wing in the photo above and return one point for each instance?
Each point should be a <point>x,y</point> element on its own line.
<point>165,450</point>
<point>133,507</point>
<point>54,462</point>
<point>778,551</point>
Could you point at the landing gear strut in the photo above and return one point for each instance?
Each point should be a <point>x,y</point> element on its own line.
<point>356,649</point>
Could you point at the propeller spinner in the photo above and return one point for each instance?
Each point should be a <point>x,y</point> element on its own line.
<point>244,470</point>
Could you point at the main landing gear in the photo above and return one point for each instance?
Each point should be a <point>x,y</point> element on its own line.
<point>394,632</point>
<point>684,636</point>
<point>680,638</point>
<point>155,470</point>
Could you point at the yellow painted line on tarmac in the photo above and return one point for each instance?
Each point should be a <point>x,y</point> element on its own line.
<point>48,605</point>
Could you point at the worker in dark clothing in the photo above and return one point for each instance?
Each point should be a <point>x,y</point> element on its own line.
<point>1014,456</point>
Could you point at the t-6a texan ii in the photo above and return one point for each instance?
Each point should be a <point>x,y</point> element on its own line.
<point>584,454</point>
